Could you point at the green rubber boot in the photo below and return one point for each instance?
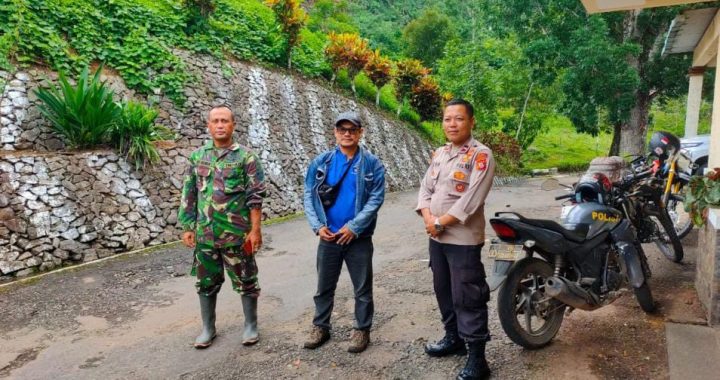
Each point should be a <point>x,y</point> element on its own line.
<point>250,335</point>
<point>207,312</point>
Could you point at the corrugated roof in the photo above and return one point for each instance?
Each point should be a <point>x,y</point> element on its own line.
<point>687,29</point>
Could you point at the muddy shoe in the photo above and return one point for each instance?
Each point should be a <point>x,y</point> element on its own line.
<point>318,336</point>
<point>359,341</point>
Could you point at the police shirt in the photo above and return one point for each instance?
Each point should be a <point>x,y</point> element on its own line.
<point>457,183</point>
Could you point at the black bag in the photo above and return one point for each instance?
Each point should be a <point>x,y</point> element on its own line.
<point>328,194</point>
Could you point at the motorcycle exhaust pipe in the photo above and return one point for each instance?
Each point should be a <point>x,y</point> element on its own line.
<point>570,294</point>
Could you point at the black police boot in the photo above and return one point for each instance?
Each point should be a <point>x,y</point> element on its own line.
<point>476,367</point>
<point>207,312</point>
<point>449,344</point>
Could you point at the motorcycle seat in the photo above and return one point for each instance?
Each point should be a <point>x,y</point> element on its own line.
<point>575,235</point>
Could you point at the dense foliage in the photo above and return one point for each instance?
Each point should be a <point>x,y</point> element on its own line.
<point>702,192</point>
<point>86,116</point>
<point>83,113</point>
<point>292,18</point>
<point>138,38</point>
<point>135,132</point>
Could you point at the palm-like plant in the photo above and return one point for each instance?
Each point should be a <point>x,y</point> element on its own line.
<point>83,113</point>
<point>135,133</point>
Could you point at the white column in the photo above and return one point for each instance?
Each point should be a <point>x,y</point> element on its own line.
<point>714,159</point>
<point>694,100</point>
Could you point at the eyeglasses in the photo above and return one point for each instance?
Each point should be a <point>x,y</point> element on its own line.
<point>351,131</point>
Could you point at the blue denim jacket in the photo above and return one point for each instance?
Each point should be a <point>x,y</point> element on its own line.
<point>370,192</point>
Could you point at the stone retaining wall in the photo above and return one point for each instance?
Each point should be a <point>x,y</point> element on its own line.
<point>59,208</point>
<point>707,278</point>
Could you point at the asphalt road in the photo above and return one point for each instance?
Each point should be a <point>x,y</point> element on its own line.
<point>136,316</point>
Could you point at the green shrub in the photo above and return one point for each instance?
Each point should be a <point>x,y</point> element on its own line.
<point>82,114</point>
<point>364,88</point>
<point>433,130</point>
<point>309,57</point>
<point>135,132</point>
<point>409,115</point>
<point>6,44</point>
<point>506,151</point>
<point>387,98</point>
<point>247,29</point>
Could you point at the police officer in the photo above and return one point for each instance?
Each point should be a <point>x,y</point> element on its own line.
<point>450,200</point>
<point>220,214</point>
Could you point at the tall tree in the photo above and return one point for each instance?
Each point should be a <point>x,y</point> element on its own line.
<point>379,69</point>
<point>425,37</point>
<point>609,65</point>
<point>331,16</point>
<point>495,76</point>
<point>292,18</point>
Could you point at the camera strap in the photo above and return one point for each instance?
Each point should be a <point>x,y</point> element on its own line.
<point>344,174</point>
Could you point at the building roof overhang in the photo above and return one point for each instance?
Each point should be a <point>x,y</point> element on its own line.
<point>687,29</point>
<point>599,6</point>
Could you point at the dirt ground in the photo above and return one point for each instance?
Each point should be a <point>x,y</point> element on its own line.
<point>136,316</point>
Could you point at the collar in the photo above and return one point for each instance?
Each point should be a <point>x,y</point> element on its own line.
<point>339,152</point>
<point>463,149</point>
<point>233,146</point>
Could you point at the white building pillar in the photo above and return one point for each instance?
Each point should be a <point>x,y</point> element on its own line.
<point>694,100</point>
<point>714,158</point>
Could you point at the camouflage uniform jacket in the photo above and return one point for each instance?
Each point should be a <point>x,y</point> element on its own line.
<point>220,188</point>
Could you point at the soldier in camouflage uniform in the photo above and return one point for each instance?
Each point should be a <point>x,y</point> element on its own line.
<point>220,214</point>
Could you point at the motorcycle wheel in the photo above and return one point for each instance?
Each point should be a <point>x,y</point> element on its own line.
<point>530,318</point>
<point>644,298</point>
<point>668,242</point>
<point>680,219</point>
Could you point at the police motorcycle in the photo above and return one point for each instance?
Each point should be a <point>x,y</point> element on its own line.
<point>542,268</point>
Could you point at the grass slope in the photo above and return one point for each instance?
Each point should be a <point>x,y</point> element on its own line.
<point>562,147</point>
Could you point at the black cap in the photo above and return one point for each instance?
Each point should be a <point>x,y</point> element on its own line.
<point>350,116</point>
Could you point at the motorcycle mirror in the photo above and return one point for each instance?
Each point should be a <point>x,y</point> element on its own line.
<point>550,184</point>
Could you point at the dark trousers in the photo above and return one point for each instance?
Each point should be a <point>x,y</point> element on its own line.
<point>358,258</point>
<point>461,290</point>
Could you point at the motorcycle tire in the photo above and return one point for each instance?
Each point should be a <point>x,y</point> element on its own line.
<point>644,297</point>
<point>682,224</point>
<point>513,290</point>
<point>672,247</point>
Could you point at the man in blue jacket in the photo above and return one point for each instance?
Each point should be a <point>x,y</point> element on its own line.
<point>344,189</point>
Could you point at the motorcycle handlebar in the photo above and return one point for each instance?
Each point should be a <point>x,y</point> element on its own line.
<point>632,178</point>
<point>565,196</point>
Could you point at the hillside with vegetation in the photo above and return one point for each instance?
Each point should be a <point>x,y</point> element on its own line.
<point>528,76</point>
<point>541,69</point>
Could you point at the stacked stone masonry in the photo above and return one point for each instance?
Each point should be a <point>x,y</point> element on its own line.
<point>59,207</point>
<point>707,278</point>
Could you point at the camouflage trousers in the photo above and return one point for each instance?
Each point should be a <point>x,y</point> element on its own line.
<point>241,268</point>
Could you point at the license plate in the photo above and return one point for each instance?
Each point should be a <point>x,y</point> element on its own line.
<point>506,252</point>
<point>565,211</point>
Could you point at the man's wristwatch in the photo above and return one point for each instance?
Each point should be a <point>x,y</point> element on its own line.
<point>439,227</point>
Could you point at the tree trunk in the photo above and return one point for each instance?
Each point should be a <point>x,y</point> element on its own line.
<point>615,146</point>
<point>352,86</point>
<point>289,54</point>
<point>377,97</point>
<point>522,114</point>
<point>632,133</point>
